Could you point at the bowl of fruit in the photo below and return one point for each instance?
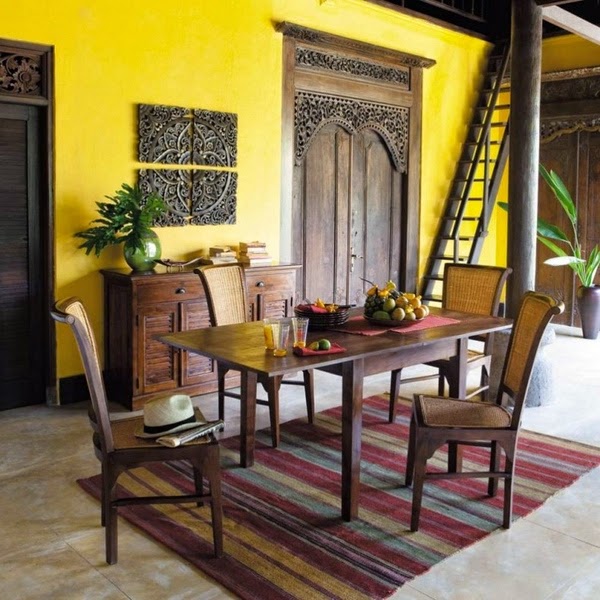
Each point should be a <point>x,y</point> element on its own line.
<point>322,315</point>
<point>388,307</point>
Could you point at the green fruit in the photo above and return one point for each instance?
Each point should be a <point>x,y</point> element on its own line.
<point>314,345</point>
<point>324,344</point>
<point>389,305</point>
<point>398,314</point>
<point>381,315</point>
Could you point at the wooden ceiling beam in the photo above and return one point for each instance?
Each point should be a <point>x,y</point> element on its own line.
<point>566,20</point>
<point>554,2</point>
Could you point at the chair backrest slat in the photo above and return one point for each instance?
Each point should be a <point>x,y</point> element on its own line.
<point>474,288</point>
<point>72,312</point>
<point>535,313</point>
<point>225,289</point>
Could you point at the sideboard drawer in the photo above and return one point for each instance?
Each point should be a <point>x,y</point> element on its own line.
<point>171,289</point>
<point>267,282</point>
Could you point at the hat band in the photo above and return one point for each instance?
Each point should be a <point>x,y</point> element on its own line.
<point>161,428</point>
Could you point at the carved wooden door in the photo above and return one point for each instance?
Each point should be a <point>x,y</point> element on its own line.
<point>576,159</point>
<point>350,195</point>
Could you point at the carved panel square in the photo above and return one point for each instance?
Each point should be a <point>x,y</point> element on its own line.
<point>174,186</point>
<point>214,197</point>
<point>214,138</point>
<point>165,134</point>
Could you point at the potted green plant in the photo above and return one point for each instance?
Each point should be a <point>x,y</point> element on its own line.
<point>127,219</point>
<point>571,254</point>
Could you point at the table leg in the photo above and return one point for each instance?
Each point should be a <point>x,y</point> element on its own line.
<point>352,397</point>
<point>247,418</point>
<point>458,389</point>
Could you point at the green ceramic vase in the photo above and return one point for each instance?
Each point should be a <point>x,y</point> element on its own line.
<point>144,260</point>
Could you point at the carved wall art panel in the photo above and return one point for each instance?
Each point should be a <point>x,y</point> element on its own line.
<point>165,134</point>
<point>314,111</point>
<point>214,197</point>
<point>214,138</point>
<point>584,88</point>
<point>326,61</point>
<point>174,187</point>
<point>551,129</point>
<point>20,74</point>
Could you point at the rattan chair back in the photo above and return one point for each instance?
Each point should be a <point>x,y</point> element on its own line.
<point>474,288</point>
<point>225,288</point>
<point>534,314</point>
<point>72,312</point>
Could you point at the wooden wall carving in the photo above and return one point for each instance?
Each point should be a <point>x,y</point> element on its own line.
<point>173,135</point>
<point>214,197</point>
<point>21,74</point>
<point>313,111</point>
<point>569,105</point>
<point>327,61</point>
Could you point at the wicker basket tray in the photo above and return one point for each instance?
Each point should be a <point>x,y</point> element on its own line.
<point>323,320</point>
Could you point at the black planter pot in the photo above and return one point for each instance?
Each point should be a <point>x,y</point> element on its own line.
<point>588,301</point>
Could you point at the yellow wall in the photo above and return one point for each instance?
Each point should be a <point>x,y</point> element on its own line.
<point>558,54</point>
<point>224,55</point>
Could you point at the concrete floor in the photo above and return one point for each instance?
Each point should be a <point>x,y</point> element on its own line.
<point>53,547</point>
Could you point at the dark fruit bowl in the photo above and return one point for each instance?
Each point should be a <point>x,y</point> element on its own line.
<point>323,320</point>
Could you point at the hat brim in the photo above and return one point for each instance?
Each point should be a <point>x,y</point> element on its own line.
<point>139,431</point>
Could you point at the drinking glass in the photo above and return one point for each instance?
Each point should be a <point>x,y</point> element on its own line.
<point>300,329</point>
<point>268,332</point>
<point>281,332</point>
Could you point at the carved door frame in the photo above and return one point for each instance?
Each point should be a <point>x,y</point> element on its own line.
<point>29,81</point>
<point>320,73</point>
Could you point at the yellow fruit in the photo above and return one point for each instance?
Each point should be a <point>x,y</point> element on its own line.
<point>425,309</point>
<point>402,301</point>
<point>314,345</point>
<point>410,316</point>
<point>415,302</point>
<point>419,312</point>
<point>410,296</point>
<point>398,314</point>
<point>389,305</point>
<point>372,291</point>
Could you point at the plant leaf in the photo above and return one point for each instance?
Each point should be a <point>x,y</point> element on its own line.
<point>556,249</point>
<point>561,193</point>
<point>551,231</point>
<point>559,261</point>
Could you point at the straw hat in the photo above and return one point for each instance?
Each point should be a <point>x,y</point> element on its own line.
<point>167,415</point>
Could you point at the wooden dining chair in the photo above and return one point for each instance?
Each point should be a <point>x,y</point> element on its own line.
<point>437,421</point>
<point>118,449</point>
<point>227,297</point>
<point>472,289</point>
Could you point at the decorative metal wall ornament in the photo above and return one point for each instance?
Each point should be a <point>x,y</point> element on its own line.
<point>165,134</point>
<point>174,186</point>
<point>20,74</point>
<point>313,111</point>
<point>214,138</point>
<point>327,61</point>
<point>214,197</point>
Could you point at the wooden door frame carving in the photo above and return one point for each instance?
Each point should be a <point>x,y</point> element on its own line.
<point>323,70</point>
<point>29,81</point>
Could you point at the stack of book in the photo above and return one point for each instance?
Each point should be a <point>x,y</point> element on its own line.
<point>218,255</point>
<point>254,254</point>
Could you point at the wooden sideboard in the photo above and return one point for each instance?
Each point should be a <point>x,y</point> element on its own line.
<point>137,307</point>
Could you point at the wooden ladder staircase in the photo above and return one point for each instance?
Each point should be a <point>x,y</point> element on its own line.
<point>472,195</point>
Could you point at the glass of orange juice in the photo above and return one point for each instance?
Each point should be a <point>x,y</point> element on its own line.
<point>268,332</point>
<point>300,329</point>
<point>281,332</point>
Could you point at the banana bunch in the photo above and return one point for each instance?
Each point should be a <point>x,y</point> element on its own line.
<point>329,307</point>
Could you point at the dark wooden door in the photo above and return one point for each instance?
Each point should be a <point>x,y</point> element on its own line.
<point>350,197</point>
<point>576,159</point>
<point>22,380</point>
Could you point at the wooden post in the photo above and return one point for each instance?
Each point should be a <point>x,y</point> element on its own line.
<point>525,75</point>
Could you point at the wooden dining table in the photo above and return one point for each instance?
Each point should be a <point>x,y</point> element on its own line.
<point>241,347</point>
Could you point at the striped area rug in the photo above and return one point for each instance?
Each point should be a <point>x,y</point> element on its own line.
<point>284,537</point>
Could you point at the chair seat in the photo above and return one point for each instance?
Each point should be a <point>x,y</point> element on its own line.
<point>449,412</point>
<point>124,434</point>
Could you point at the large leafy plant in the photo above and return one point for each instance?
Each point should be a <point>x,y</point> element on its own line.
<point>569,253</point>
<point>126,219</point>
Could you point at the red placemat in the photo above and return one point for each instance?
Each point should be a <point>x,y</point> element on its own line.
<point>360,326</point>
<point>335,349</point>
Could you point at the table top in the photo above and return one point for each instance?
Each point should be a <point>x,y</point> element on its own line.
<point>241,346</point>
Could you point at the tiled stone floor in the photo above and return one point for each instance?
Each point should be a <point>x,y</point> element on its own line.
<point>52,543</point>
